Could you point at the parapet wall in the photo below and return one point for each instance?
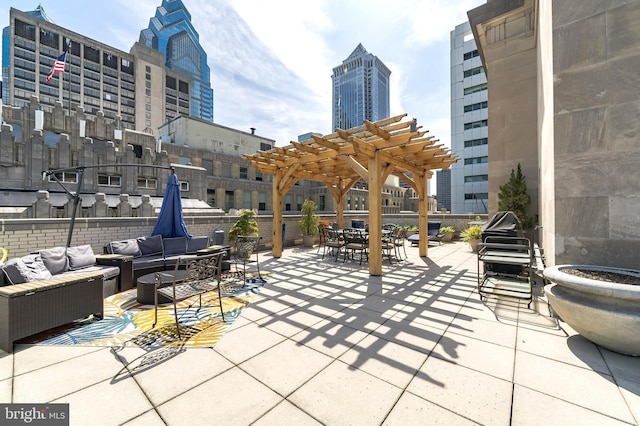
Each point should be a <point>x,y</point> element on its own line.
<point>22,236</point>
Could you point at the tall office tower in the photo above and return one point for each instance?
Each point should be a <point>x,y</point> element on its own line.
<point>171,33</point>
<point>443,186</point>
<point>469,125</point>
<point>360,90</point>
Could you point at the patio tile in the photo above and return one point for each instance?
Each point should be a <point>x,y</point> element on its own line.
<point>535,408</point>
<point>631,394</point>
<point>343,395</point>
<point>359,318</point>
<point>414,335</point>
<point>289,322</point>
<point>574,350</point>
<point>150,418</point>
<point>175,375</point>
<point>232,398</point>
<point>33,357</point>
<point>581,386</point>
<point>622,366</point>
<point>412,409</point>
<point>6,365</point>
<point>65,377</point>
<point>385,360</point>
<point>119,402</point>
<point>471,394</point>
<point>286,366</point>
<point>233,345</point>
<point>485,357</point>
<point>490,331</point>
<point>329,337</point>
<point>286,414</point>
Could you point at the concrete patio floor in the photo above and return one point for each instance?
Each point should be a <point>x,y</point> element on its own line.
<point>325,343</point>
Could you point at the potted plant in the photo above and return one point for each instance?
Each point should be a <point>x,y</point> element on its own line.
<point>308,222</point>
<point>473,236</point>
<point>447,233</point>
<point>245,225</point>
<point>602,303</point>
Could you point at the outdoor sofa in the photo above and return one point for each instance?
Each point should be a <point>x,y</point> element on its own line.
<point>157,253</point>
<point>52,287</point>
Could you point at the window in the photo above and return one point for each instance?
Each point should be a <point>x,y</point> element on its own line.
<point>476,160</point>
<point>171,83</point>
<point>184,160</point>
<point>244,173</point>
<point>476,142</point>
<point>475,124</point>
<point>475,107</point>
<point>258,175</point>
<point>110,60</point>
<point>246,200</point>
<point>478,196</point>
<point>476,178</point>
<point>183,86</point>
<point>49,38</point>
<point>473,71</point>
<point>262,201</point>
<point>147,68</point>
<point>25,30</point>
<point>184,186</point>
<point>321,202</point>
<point>287,202</point>
<point>471,54</point>
<point>265,146</point>
<point>109,180</point>
<point>208,166</point>
<point>91,54</point>
<point>475,89</point>
<point>299,202</point>
<point>65,177</point>
<point>147,183</point>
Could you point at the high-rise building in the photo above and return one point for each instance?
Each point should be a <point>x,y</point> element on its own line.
<point>138,86</point>
<point>469,125</point>
<point>443,186</point>
<point>360,90</point>
<point>171,33</point>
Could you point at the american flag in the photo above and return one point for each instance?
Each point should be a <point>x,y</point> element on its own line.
<point>58,66</point>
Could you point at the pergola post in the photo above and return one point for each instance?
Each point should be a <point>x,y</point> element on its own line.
<point>423,214</point>
<point>375,215</point>
<point>276,232</point>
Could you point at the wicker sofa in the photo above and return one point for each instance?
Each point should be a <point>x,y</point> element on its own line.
<point>155,253</point>
<point>52,287</point>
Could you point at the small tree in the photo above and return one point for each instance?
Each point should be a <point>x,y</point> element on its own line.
<point>513,197</point>
<point>309,221</point>
<point>246,225</point>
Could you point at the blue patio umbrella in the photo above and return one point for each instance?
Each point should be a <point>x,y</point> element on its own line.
<point>170,222</point>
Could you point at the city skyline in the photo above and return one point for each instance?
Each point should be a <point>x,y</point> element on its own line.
<point>271,66</point>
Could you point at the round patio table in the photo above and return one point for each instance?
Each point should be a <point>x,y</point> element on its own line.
<point>146,285</point>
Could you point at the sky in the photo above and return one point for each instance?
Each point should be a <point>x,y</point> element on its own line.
<point>271,61</point>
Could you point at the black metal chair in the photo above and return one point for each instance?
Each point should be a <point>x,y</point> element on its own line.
<point>333,243</point>
<point>355,240</point>
<point>245,247</point>
<point>191,276</point>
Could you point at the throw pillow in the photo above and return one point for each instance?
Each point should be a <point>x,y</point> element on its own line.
<point>26,269</point>
<point>197,243</point>
<point>174,246</point>
<point>151,245</point>
<point>55,260</point>
<point>126,247</point>
<point>81,257</point>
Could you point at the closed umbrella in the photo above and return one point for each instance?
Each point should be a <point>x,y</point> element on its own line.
<point>170,222</point>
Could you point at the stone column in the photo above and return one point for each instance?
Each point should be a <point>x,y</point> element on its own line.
<point>146,208</point>
<point>42,208</point>
<point>124,207</point>
<point>101,208</point>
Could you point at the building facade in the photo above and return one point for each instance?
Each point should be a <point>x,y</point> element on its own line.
<point>135,85</point>
<point>443,186</point>
<point>360,90</point>
<point>171,33</point>
<point>469,125</point>
<point>563,78</point>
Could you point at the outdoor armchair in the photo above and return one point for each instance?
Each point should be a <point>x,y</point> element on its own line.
<point>192,276</point>
<point>245,247</point>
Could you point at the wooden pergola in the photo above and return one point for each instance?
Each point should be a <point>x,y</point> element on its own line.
<point>371,152</point>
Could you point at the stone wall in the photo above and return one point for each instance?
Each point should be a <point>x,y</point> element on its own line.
<point>597,154</point>
<point>22,236</point>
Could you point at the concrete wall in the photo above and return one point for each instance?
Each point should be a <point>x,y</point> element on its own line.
<point>597,154</point>
<point>22,236</point>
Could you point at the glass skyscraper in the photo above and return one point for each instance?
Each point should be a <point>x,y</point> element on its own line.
<point>171,33</point>
<point>360,90</point>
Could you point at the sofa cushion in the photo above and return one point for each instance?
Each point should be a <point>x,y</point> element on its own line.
<point>80,257</point>
<point>197,243</point>
<point>126,247</point>
<point>146,262</point>
<point>175,245</point>
<point>26,269</point>
<point>108,272</point>
<point>55,259</point>
<point>150,246</point>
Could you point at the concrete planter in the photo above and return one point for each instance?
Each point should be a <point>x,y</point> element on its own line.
<point>473,244</point>
<point>447,237</point>
<point>308,240</point>
<point>606,313</point>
